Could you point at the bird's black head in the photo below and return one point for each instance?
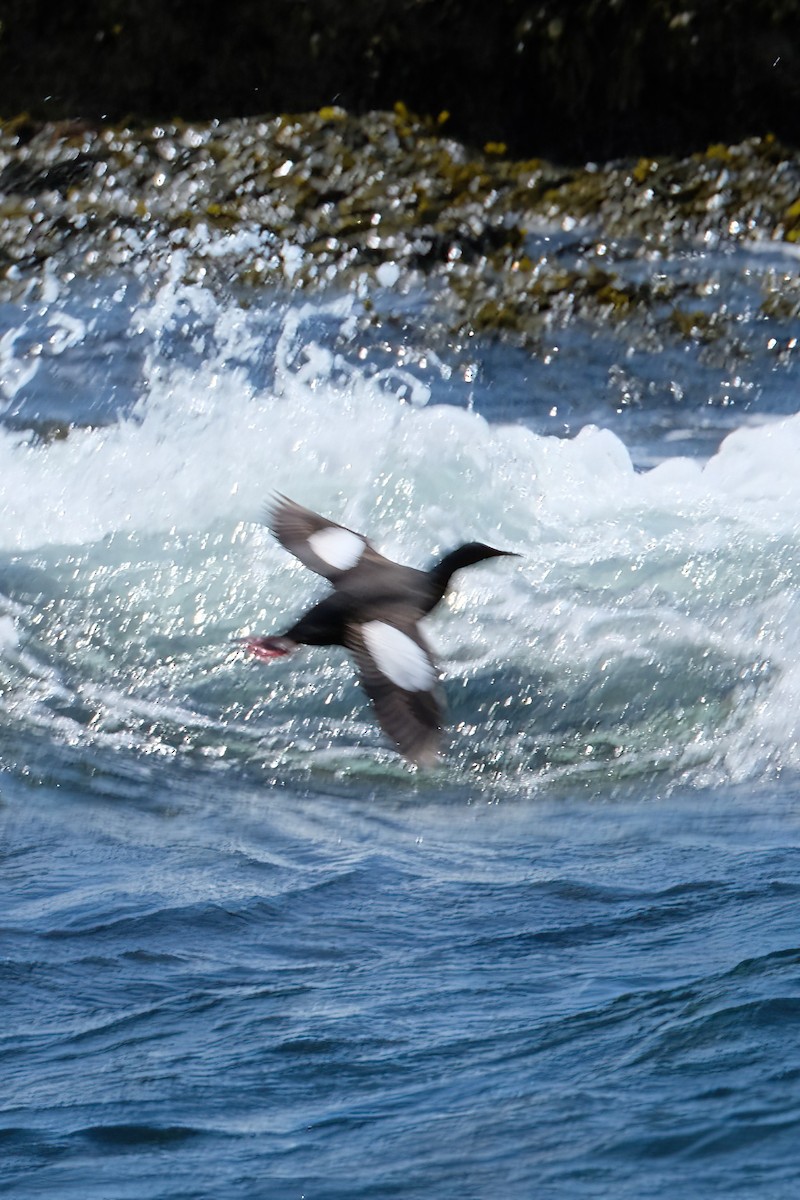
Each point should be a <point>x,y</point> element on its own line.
<point>465,556</point>
<point>473,552</point>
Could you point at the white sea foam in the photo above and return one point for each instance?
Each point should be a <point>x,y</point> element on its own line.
<point>16,371</point>
<point>8,634</point>
<point>652,618</point>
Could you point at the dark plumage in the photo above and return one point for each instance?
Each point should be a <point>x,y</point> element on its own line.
<point>374,611</point>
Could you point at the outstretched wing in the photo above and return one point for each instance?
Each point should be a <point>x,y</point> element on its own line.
<point>397,671</point>
<point>320,544</point>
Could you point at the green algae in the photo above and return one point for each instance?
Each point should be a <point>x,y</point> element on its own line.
<point>326,200</point>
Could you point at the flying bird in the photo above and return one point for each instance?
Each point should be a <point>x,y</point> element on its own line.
<point>374,611</point>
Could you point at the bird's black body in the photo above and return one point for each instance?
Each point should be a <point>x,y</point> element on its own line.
<point>373,611</point>
<point>365,591</point>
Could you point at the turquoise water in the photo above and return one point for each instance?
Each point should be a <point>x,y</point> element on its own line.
<point>244,950</point>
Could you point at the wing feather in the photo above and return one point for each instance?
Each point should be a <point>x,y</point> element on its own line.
<point>329,549</point>
<point>412,717</point>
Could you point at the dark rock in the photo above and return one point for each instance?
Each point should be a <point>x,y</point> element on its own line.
<point>592,80</point>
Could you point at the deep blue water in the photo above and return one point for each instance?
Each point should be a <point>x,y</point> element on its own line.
<point>244,950</point>
<point>257,992</point>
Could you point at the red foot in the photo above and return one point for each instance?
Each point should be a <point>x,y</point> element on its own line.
<point>266,648</point>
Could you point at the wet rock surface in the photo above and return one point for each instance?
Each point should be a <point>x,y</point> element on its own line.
<point>388,201</point>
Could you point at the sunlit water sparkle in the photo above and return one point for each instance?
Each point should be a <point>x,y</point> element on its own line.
<point>246,950</point>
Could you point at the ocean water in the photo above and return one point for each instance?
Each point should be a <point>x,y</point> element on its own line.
<point>245,951</point>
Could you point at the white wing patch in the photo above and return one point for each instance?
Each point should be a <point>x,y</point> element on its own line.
<point>399,657</point>
<point>339,548</point>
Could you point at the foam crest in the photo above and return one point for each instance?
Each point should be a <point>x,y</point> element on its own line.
<point>205,444</point>
<point>650,623</point>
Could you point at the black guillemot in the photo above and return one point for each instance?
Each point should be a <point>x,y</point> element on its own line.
<point>374,611</point>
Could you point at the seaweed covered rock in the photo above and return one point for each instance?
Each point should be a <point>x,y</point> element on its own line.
<point>328,200</point>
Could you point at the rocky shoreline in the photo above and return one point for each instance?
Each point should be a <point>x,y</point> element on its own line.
<point>332,201</point>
